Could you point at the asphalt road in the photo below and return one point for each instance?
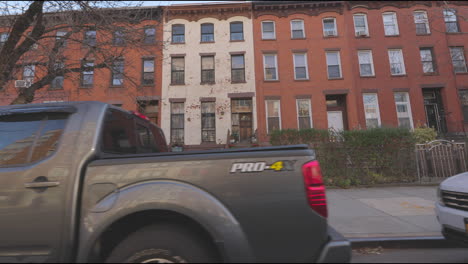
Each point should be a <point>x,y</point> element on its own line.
<point>429,255</point>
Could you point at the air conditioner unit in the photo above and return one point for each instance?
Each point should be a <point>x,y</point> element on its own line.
<point>22,84</point>
<point>329,33</point>
<point>361,33</point>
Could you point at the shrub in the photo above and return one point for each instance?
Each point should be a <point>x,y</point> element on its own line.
<point>424,134</point>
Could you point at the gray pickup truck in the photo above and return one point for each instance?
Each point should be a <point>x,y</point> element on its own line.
<point>90,182</point>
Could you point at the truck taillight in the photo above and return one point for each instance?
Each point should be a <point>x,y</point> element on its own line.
<point>315,188</point>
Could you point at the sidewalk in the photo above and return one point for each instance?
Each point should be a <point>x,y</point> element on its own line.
<point>388,212</point>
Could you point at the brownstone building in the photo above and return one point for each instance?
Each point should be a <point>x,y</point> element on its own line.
<point>358,64</point>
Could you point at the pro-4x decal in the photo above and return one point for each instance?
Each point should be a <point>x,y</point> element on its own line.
<point>282,165</point>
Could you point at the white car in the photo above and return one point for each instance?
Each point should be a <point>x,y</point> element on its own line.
<point>452,208</point>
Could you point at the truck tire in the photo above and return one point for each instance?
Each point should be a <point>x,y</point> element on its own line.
<point>163,243</point>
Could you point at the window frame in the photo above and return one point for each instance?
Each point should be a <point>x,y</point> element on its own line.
<point>120,37</point>
<point>207,34</point>
<point>365,24</point>
<point>52,85</point>
<point>6,38</point>
<point>335,27</point>
<point>267,116</point>
<point>463,106</point>
<point>183,123</point>
<point>85,63</point>
<point>402,62</point>
<point>143,60</point>
<point>302,28</point>
<point>205,70</point>
<point>86,40</point>
<point>235,69</point>
<point>146,36</point>
<point>173,35</point>
<point>265,68</point>
<point>114,74</point>
<point>454,11</point>
<point>339,65</point>
<point>426,22</point>
<point>371,63</point>
<point>58,38</point>
<point>306,65</point>
<point>173,71</point>
<point>310,113</point>
<point>377,105</point>
<point>395,20</point>
<point>408,103</point>
<point>462,51</point>
<point>231,32</point>
<point>433,60</point>
<point>274,30</point>
<point>204,115</point>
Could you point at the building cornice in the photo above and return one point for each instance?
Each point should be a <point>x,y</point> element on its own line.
<point>381,4</point>
<point>285,9</point>
<point>197,12</point>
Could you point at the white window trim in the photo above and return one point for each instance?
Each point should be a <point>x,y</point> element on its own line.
<point>410,113</point>
<point>310,112</point>
<point>274,29</point>
<point>396,23</point>
<point>365,22</point>
<point>279,114</point>
<point>276,67</point>
<point>334,24</point>
<point>339,64</point>
<point>371,61</point>
<point>291,25</point>
<point>306,65</point>
<point>428,27</point>
<point>402,62</point>
<point>379,122</point>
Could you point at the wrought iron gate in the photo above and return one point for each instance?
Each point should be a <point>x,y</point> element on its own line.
<point>440,159</point>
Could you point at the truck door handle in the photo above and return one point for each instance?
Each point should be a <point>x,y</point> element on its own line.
<point>41,182</point>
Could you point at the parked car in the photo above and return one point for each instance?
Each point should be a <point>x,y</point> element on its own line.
<point>90,182</point>
<point>452,208</point>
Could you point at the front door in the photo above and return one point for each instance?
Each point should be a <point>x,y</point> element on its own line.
<point>335,120</point>
<point>433,118</point>
<point>33,187</point>
<point>245,127</point>
<point>434,110</point>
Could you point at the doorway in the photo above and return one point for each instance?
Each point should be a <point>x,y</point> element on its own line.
<point>435,113</point>
<point>336,112</point>
<point>242,120</point>
<point>245,126</point>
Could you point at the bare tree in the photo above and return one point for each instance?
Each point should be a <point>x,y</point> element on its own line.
<point>44,38</point>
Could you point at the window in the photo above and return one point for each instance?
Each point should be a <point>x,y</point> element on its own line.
<point>366,64</point>
<point>90,37</point>
<point>3,38</point>
<point>148,72</point>
<point>458,59</point>
<point>57,82</point>
<point>119,38</point>
<point>29,138</point>
<point>119,133</point>
<point>271,70</point>
<point>207,32</point>
<point>421,22</point>
<point>329,27</point>
<point>273,115</point>
<point>371,110</point>
<point>268,30</point>
<point>237,68</point>
<point>60,38</point>
<point>390,24</point>
<point>118,73</point>
<point>87,77</point>
<point>177,123</point>
<point>464,104</point>
<point>237,31</point>
<point>208,121</point>
<point>427,59</point>
<point>28,73</point>
<point>149,108</point>
<point>405,119</point>
<point>207,69</point>
<point>178,70</point>
<point>178,34</point>
<point>397,64</point>
<point>149,36</point>
<point>304,117</point>
<point>333,65</point>
<point>450,17</point>
<point>300,66</point>
<point>146,139</point>
<point>360,25</point>
<point>297,29</point>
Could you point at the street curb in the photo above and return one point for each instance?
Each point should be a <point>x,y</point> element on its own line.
<point>403,242</point>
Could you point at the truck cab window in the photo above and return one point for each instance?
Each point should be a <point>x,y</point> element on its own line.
<point>119,133</point>
<point>146,137</point>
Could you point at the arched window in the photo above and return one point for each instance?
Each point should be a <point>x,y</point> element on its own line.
<point>268,30</point>
<point>390,23</point>
<point>329,27</point>
<point>237,31</point>
<point>360,25</point>
<point>178,33</point>
<point>297,29</point>
<point>207,32</point>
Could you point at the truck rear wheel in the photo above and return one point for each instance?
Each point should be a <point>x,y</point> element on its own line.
<point>163,243</point>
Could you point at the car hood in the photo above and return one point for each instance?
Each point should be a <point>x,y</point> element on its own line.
<point>457,183</point>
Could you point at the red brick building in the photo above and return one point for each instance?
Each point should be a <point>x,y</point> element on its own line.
<point>351,65</point>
